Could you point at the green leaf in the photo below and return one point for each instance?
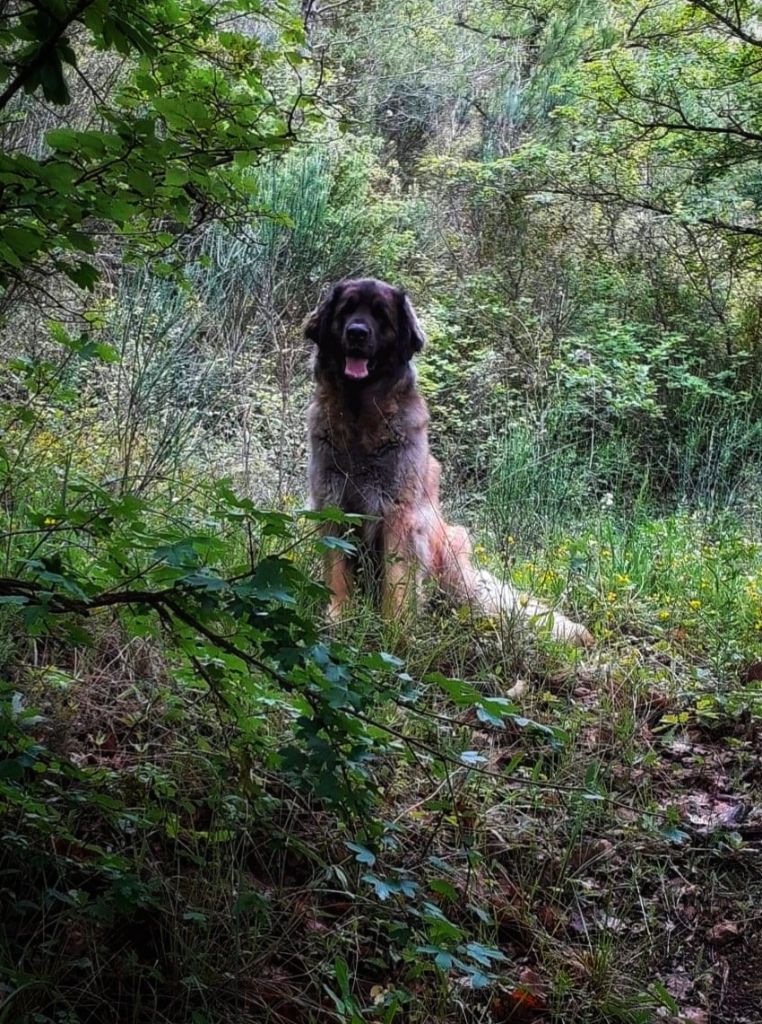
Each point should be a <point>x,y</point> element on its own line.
<point>11,769</point>
<point>364,855</point>
<point>381,661</point>
<point>181,553</point>
<point>442,958</point>
<point>206,581</point>
<point>444,888</point>
<point>385,887</point>
<point>483,955</point>
<point>341,970</point>
<point>665,997</point>
<point>195,915</point>
<point>106,353</point>
<point>274,579</point>
<point>674,835</point>
<point>65,140</point>
<point>51,77</point>
<point>479,980</point>
<point>330,543</point>
<point>24,241</point>
<point>177,176</point>
<point>83,274</point>
<point>462,693</point>
<point>117,210</point>
<point>79,240</point>
<point>333,515</point>
<point>141,181</point>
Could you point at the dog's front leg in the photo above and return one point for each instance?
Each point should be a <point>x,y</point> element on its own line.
<point>400,570</point>
<point>338,579</point>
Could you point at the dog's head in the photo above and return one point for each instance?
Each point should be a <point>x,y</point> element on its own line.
<point>364,329</point>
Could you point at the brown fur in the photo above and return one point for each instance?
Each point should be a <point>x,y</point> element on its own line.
<point>369,454</point>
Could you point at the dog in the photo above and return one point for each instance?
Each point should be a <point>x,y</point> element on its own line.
<point>369,455</point>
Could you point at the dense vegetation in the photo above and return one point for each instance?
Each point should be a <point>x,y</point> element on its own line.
<point>212,807</point>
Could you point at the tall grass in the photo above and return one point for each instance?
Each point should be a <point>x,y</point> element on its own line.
<point>329,212</point>
<point>166,390</point>
<point>215,369</point>
<point>546,479</point>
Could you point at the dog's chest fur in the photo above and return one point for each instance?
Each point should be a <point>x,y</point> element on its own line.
<point>363,455</point>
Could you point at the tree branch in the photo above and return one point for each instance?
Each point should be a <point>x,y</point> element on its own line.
<point>43,52</point>
<point>736,28</point>
<point>461,22</point>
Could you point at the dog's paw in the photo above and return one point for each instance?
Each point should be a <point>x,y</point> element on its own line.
<point>571,632</point>
<point>334,613</point>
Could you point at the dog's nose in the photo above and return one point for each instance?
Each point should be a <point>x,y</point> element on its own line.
<point>357,333</point>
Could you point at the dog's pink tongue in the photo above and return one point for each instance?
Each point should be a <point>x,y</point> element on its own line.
<point>356,368</point>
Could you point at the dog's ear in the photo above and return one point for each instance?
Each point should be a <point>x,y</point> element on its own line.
<point>319,319</point>
<point>412,338</point>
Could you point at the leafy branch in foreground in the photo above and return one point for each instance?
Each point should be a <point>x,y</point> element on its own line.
<point>204,91</point>
<point>249,637</point>
<point>241,634</point>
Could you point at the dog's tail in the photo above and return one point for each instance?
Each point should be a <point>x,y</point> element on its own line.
<point>453,568</point>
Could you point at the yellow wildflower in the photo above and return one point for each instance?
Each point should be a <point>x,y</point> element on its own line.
<point>611,597</point>
<point>695,603</point>
<point>664,614</point>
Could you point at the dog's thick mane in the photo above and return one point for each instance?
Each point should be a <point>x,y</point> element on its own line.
<point>373,417</point>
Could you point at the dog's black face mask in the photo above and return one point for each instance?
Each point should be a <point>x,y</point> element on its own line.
<point>364,329</point>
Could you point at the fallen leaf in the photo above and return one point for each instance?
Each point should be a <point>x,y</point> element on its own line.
<point>530,980</point>
<point>518,689</point>
<point>313,925</point>
<point>590,851</point>
<point>679,748</point>
<point>693,1015</point>
<point>379,992</point>
<point>550,918</point>
<point>577,923</point>
<point>723,933</point>
<point>75,942</point>
<point>708,813</point>
<point>678,984</point>
<point>520,1006</point>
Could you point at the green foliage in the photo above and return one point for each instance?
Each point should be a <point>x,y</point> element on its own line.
<point>213,807</point>
<point>225,592</point>
<point>195,105</point>
<point>665,112</point>
<point>242,631</point>
<point>692,580</point>
<point>337,212</point>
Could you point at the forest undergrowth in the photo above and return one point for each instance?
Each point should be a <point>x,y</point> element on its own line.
<point>215,807</point>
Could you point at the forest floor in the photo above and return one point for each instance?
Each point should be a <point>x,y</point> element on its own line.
<point>596,854</point>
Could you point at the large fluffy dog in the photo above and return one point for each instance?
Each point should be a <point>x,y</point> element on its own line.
<point>369,454</point>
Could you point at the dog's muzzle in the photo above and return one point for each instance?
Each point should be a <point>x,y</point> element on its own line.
<point>356,359</point>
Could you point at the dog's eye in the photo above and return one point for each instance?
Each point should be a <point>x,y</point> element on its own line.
<point>380,314</point>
